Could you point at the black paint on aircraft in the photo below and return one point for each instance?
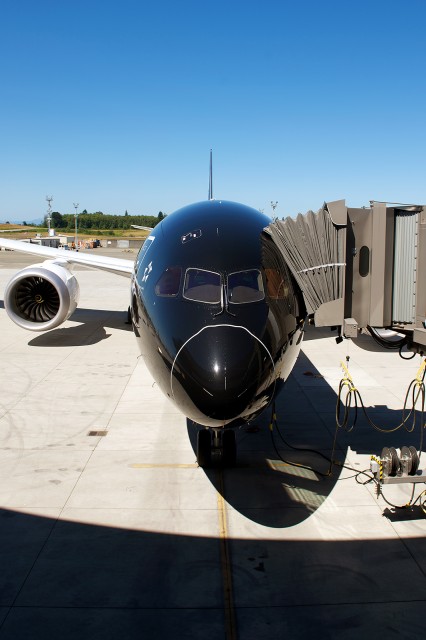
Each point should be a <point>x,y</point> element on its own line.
<point>217,315</point>
<point>216,312</point>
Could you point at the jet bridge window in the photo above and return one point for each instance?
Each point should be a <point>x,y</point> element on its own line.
<point>168,284</point>
<point>245,286</point>
<point>202,286</point>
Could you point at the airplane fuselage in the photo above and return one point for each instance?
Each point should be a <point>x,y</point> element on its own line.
<point>217,314</point>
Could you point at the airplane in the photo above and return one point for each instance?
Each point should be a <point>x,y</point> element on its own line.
<point>216,312</point>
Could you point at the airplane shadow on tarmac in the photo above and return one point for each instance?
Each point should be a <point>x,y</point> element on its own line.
<point>265,486</point>
<point>91,329</point>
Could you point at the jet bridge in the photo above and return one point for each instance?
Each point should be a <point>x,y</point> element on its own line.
<point>361,269</point>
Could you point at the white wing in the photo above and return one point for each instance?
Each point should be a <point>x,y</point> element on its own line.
<point>119,266</point>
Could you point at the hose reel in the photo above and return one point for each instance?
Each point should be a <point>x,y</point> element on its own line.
<point>394,465</point>
<point>406,463</point>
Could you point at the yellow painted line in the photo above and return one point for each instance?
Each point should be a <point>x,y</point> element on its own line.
<point>225,559</point>
<point>142,465</point>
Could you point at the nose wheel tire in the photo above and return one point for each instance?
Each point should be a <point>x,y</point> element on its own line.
<point>229,449</point>
<point>204,448</point>
<point>216,447</point>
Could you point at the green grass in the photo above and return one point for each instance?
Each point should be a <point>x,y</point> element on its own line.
<point>82,233</point>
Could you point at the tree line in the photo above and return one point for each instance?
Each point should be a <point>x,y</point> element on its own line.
<point>100,220</point>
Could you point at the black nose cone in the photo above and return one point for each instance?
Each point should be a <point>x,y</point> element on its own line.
<point>223,371</point>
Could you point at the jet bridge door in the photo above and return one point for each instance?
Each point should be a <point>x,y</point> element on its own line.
<point>368,293</point>
<point>405,267</point>
<point>358,274</point>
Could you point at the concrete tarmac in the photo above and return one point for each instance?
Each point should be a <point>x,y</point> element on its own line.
<point>109,529</point>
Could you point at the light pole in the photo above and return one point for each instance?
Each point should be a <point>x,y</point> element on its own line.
<point>274,206</point>
<point>49,213</point>
<point>76,218</point>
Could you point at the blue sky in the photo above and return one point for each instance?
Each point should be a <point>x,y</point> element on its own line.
<point>115,105</point>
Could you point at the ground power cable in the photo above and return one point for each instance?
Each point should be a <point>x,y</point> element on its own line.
<point>416,390</point>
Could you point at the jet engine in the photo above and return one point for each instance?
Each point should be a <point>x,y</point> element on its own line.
<point>42,296</point>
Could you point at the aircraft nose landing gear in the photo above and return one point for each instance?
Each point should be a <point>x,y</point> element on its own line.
<point>216,447</point>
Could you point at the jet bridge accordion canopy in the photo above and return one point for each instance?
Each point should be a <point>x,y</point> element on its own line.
<point>359,268</point>
<point>315,254</point>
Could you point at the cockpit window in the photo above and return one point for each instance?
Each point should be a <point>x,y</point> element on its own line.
<point>245,286</point>
<point>202,286</point>
<point>169,282</point>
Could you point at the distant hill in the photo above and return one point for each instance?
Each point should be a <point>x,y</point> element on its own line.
<point>30,223</point>
<point>20,221</point>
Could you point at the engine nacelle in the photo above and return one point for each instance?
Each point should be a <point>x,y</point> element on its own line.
<point>42,296</point>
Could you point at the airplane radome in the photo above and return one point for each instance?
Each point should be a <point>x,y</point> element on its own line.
<point>216,313</point>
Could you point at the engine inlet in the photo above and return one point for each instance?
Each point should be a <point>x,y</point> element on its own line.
<point>36,299</point>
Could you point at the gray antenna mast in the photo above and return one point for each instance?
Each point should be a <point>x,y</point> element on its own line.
<point>76,224</point>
